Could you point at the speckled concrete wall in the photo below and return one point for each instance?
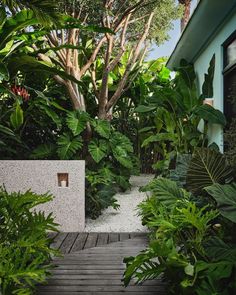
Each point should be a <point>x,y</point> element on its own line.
<point>68,206</point>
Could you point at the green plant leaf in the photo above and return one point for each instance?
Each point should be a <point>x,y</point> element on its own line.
<point>122,156</point>
<point>68,146</point>
<point>102,127</point>
<point>225,196</point>
<point>207,87</point>
<point>159,137</point>
<point>207,167</point>
<point>166,191</point>
<point>4,74</point>
<point>7,131</point>
<point>144,109</point>
<point>77,121</point>
<point>51,114</point>
<point>17,117</point>
<point>43,151</point>
<point>211,115</point>
<point>98,150</point>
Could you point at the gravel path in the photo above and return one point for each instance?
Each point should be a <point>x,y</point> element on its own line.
<point>124,219</point>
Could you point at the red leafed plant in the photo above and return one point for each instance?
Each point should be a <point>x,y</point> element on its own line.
<point>21,91</point>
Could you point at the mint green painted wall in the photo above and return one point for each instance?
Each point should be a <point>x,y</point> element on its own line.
<point>201,64</point>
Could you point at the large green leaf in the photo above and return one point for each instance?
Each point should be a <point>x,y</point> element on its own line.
<point>122,156</point>
<point>21,20</point>
<point>51,114</point>
<point>145,109</point>
<point>7,131</point>
<point>166,191</point>
<point>225,196</point>
<point>27,63</point>
<point>102,127</point>
<point>43,151</point>
<point>4,74</point>
<point>17,117</point>
<point>68,146</point>
<point>211,115</point>
<point>218,250</point>
<point>119,139</point>
<point>159,137</point>
<point>98,150</point>
<point>77,121</point>
<point>207,167</point>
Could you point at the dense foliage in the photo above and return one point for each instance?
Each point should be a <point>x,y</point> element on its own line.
<point>191,241</point>
<point>25,250</point>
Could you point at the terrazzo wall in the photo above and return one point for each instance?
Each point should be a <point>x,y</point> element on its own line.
<point>64,179</point>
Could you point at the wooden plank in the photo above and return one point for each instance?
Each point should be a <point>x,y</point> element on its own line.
<point>99,281</point>
<point>99,293</point>
<point>79,242</point>
<point>124,236</point>
<point>111,288</point>
<point>58,240</point>
<point>102,239</point>
<point>113,237</point>
<point>97,269</point>
<point>68,243</point>
<point>91,240</point>
<point>87,271</point>
<point>52,235</point>
<point>88,262</point>
<point>84,266</point>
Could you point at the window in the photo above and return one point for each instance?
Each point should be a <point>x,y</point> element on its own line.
<point>229,73</point>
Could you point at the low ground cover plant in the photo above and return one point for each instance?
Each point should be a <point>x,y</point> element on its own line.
<point>25,251</point>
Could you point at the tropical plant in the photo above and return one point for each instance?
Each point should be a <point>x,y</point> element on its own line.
<point>187,247</point>
<point>207,167</point>
<point>25,251</point>
<point>177,112</point>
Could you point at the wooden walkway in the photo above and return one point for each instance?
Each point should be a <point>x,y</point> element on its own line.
<point>98,269</point>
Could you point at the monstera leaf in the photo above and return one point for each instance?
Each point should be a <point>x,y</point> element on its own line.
<point>98,150</point>
<point>207,167</point>
<point>225,196</point>
<point>68,146</point>
<point>76,121</point>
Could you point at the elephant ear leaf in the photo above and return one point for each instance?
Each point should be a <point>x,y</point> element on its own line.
<point>98,150</point>
<point>102,127</point>
<point>68,146</point>
<point>207,167</point>
<point>77,121</point>
<point>225,196</point>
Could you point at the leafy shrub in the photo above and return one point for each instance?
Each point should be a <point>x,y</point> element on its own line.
<point>192,245</point>
<point>25,251</point>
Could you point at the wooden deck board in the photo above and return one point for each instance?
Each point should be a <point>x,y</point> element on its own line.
<point>93,264</point>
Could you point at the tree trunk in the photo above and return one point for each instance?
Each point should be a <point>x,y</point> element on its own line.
<point>186,16</point>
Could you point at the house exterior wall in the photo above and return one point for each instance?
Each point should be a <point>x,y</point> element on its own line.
<point>68,205</point>
<point>201,64</point>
